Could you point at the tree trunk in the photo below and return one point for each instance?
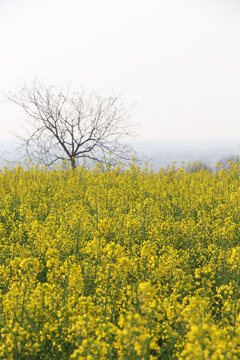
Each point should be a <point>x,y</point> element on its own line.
<point>73,162</point>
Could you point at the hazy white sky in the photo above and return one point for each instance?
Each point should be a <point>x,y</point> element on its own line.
<point>179,60</point>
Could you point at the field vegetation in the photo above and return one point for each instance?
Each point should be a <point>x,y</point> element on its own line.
<point>119,264</point>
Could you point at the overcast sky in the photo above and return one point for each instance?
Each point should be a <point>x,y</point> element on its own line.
<point>179,60</point>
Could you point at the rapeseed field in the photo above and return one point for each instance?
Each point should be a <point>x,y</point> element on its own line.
<point>119,264</point>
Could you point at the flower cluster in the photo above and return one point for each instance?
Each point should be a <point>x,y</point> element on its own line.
<point>119,264</point>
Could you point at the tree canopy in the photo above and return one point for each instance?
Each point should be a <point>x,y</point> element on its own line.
<point>72,126</point>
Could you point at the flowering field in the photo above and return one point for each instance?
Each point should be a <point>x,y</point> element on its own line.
<point>122,264</point>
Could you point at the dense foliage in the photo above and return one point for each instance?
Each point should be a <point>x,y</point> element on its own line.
<point>120,264</point>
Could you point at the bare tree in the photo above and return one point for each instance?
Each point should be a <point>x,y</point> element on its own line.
<point>229,161</point>
<point>72,126</point>
<point>198,166</point>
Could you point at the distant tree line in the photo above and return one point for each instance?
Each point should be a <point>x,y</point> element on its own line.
<point>225,163</point>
